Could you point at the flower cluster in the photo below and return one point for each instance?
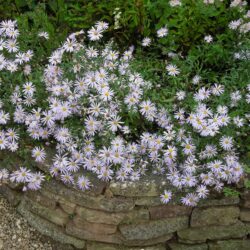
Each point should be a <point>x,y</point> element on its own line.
<point>97,88</point>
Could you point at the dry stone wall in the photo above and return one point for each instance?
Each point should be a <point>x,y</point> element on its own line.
<point>130,216</point>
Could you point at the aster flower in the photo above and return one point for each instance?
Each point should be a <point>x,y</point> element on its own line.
<point>91,52</point>
<point>35,181</point>
<point>12,45</point>
<point>174,3</point>
<point>180,95</point>
<point>12,135</point>
<point>44,34</point>
<point>217,89</point>
<point>83,183</point>
<point>101,25</point>
<point>166,196</point>
<point>115,123</point>
<point>208,39</point>
<point>238,122</point>
<point>22,175</point>
<point>190,200</point>
<point>70,45</point>
<point>226,142</point>
<point>148,109</point>
<point>95,34</point>
<point>234,24</point>
<point>146,42</point>
<point>121,175</point>
<point>105,174</point>
<point>67,178</point>
<point>39,154</point>
<point>3,142</point>
<point>28,88</point>
<point>172,70</point>
<point>4,117</point>
<point>106,94</point>
<point>202,191</point>
<point>162,32</point>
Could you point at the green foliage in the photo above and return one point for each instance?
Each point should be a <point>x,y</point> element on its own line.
<point>187,25</point>
<point>230,192</point>
<point>138,18</point>
<point>247,184</point>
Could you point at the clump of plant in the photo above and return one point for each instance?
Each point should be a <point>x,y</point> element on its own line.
<point>90,104</point>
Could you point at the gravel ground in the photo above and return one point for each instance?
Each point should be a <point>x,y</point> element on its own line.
<point>16,234</point>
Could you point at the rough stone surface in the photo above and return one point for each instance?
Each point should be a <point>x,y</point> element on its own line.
<point>245,203</point>
<point>179,246</point>
<point>12,196</point>
<point>223,201</point>
<point>153,229</point>
<point>245,215</point>
<point>49,229</point>
<point>147,186</point>
<point>214,216</point>
<point>230,245</point>
<point>57,215</point>
<point>68,207</point>
<point>94,228</point>
<point>247,226</point>
<point>41,199</point>
<point>245,196</point>
<point>168,211</point>
<point>150,242</point>
<point>57,191</point>
<point>91,234</point>
<point>102,246</point>
<point>148,201</point>
<point>97,216</point>
<point>200,235</point>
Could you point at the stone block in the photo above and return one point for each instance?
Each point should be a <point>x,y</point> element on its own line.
<point>49,229</point>
<point>202,234</point>
<point>12,196</point>
<point>214,216</point>
<point>57,191</point>
<point>179,246</point>
<point>94,233</point>
<point>98,216</point>
<point>247,225</point>
<point>57,215</point>
<point>245,215</point>
<point>136,216</point>
<point>168,211</point>
<point>245,203</point>
<point>41,199</point>
<point>147,186</point>
<point>103,246</point>
<point>150,242</point>
<point>148,201</point>
<point>245,195</point>
<point>230,245</point>
<point>153,229</point>
<point>94,228</point>
<point>68,207</point>
<point>222,201</point>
